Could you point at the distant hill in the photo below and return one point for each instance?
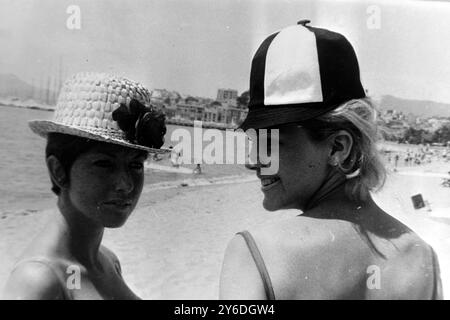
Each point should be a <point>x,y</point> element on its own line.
<point>13,86</point>
<point>417,107</point>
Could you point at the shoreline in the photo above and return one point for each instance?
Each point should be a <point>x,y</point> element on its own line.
<point>41,108</point>
<point>172,121</point>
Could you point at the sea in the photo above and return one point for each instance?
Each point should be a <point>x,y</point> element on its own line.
<point>25,184</point>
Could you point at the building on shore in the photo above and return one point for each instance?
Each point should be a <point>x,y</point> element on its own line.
<point>225,110</point>
<point>227,96</point>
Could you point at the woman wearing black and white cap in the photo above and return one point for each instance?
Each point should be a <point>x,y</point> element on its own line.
<point>101,133</point>
<point>305,83</point>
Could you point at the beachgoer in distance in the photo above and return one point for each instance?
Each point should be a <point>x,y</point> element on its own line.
<point>175,157</point>
<point>198,169</point>
<point>102,131</point>
<point>305,82</point>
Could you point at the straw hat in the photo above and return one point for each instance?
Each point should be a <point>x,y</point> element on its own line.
<point>86,105</point>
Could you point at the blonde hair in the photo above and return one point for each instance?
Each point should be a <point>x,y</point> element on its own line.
<point>363,167</point>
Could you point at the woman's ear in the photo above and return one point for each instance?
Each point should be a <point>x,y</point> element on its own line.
<point>57,171</point>
<point>341,146</point>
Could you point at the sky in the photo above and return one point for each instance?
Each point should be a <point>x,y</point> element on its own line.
<point>198,46</point>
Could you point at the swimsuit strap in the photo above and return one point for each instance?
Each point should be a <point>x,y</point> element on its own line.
<point>256,254</point>
<point>437,287</point>
<point>51,265</point>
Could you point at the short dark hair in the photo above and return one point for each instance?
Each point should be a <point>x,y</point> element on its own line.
<point>67,148</point>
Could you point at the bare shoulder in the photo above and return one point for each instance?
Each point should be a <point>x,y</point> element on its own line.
<point>109,253</point>
<point>111,258</point>
<point>328,259</point>
<point>410,269</point>
<point>303,233</point>
<point>33,281</point>
<point>240,277</point>
<point>310,253</point>
<point>302,242</point>
<point>278,243</point>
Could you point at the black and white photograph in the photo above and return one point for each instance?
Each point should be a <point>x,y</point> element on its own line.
<point>224,150</point>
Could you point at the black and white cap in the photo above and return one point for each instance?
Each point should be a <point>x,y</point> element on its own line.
<point>299,73</point>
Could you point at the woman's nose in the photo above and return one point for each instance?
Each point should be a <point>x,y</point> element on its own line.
<point>256,166</point>
<point>254,161</point>
<point>124,182</point>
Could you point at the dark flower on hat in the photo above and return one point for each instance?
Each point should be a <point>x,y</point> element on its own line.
<point>142,125</point>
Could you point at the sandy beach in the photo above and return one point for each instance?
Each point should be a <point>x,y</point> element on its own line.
<point>172,246</point>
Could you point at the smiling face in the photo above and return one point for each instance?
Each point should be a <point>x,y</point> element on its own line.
<point>106,182</point>
<point>302,169</point>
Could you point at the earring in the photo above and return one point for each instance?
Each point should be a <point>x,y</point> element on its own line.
<point>348,171</point>
<point>353,174</point>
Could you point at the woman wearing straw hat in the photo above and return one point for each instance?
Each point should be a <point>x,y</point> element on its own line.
<point>305,83</point>
<point>101,134</point>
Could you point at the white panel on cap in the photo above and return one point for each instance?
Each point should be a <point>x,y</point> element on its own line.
<point>292,68</point>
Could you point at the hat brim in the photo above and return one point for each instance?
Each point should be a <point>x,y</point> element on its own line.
<point>267,117</point>
<point>44,127</point>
